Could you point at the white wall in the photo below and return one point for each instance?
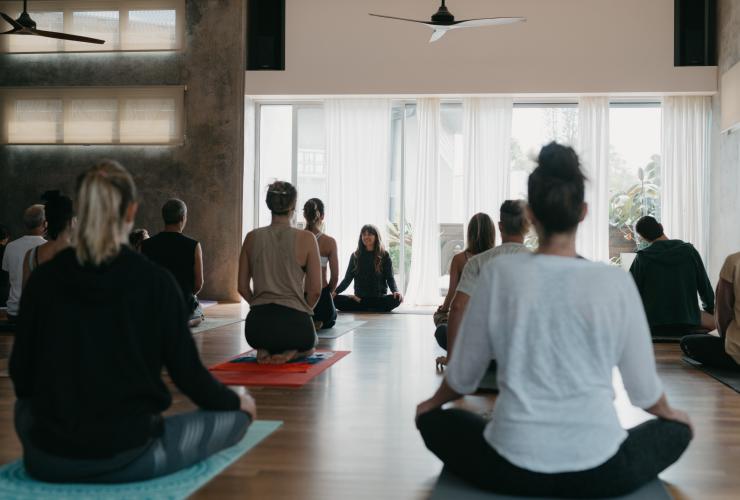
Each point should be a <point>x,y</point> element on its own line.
<point>566,46</point>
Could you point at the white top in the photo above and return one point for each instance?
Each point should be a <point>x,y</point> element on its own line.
<point>472,269</point>
<point>557,326</point>
<point>15,252</point>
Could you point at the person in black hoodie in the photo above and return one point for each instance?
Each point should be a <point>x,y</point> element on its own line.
<point>98,324</point>
<point>371,269</point>
<point>669,274</point>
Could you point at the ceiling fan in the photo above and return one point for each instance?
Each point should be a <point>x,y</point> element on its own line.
<point>24,25</point>
<point>443,21</point>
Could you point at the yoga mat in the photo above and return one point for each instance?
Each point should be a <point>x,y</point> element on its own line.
<point>728,377</point>
<point>16,485</point>
<point>253,374</point>
<point>450,487</point>
<point>339,329</point>
<point>213,323</point>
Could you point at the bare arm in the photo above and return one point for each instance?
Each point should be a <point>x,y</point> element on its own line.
<point>26,268</point>
<point>333,266</point>
<point>725,306</point>
<point>456,268</point>
<point>198,271</point>
<point>457,311</point>
<point>245,274</point>
<point>444,394</point>
<point>663,410</point>
<point>313,268</point>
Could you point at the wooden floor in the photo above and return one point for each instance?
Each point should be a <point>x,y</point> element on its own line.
<point>349,434</point>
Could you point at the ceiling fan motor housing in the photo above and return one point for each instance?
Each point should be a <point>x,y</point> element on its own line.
<point>443,16</point>
<point>26,21</point>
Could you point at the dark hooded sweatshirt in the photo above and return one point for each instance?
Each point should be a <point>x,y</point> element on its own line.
<point>669,274</point>
<point>89,353</point>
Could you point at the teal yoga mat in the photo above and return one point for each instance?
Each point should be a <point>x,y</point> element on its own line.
<point>16,485</point>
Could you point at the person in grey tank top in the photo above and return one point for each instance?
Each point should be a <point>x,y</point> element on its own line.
<point>280,278</point>
<point>324,314</point>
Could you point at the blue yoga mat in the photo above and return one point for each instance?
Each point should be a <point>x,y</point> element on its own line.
<point>16,485</point>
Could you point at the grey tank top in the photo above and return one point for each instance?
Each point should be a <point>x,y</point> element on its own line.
<point>276,276</point>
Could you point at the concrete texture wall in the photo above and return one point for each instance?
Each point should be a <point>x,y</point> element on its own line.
<point>724,228</point>
<point>206,171</point>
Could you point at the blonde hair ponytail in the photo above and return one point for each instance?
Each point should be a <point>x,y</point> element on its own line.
<point>104,193</point>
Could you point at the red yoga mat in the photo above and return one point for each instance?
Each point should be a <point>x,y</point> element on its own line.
<point>287,375</point>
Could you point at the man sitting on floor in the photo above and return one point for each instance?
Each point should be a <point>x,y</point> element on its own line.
<point>668,274</point>
<point>513,225</point>
<point>4,280</point>
<point>180,255</point>
<point>34,221</point>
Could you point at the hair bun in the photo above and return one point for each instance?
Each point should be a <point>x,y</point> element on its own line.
<point>559,162</point>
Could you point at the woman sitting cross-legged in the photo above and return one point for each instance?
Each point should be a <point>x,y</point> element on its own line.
<point>554,431</point>
<point>371,269</point>
<point>99,322</point>
<point>324,313</point>
<point>282,264</point>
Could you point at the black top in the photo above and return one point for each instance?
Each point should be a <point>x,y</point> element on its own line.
<point>4,281</point>
<point>369,283</point>
<point>669,274</point>
<point>176,253</point>
<point>89,353</point>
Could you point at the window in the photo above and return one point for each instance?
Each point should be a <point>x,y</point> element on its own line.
<point>135,25</point>
<point>150,115</point>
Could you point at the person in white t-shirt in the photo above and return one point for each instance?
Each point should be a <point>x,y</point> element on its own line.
<point>34,221</point>
<point>557,326</point>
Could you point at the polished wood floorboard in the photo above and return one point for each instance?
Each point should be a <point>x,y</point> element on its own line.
<point>349,433</point>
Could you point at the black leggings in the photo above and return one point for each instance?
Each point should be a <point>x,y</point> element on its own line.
<point>456,437</point>
<point>387,303</point>
<point>279,329</point>
<point>440,334</point>
<point>708,350</point>
<point>325,310</point>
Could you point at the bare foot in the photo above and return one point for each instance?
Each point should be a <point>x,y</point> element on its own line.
<point>317,325</point>
<point>304,354</point>
<point>263,356</point>
<point>282,358</point>
<point>195,322</point>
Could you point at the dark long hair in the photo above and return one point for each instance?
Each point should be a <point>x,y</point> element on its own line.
<point>481,234</point>
<point>59,213</point>
<point>378,250</point>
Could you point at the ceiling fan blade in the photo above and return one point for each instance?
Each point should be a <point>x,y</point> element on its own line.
<point>437,35</point>
<point>11,32</point>
<point>65,36</point>
<point>11,21</point>
<point>402,19</point>
<point>491,21</point>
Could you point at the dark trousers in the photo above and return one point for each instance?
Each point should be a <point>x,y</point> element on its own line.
<point>188,438</point>
<point>441,335</point>
<point>367,304</point>
<point>279,329</point>
<point>325,310</point>
<point>708,350</point>
<point>456,437</point>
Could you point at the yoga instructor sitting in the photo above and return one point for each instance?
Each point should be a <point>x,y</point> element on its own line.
<point>557,325</point>
<point>99,322</point>
<point>282,264</point>
<point>371,269</point>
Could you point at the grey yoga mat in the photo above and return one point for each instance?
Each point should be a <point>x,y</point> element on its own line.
<point>731,378</point>
<point>450,487</point>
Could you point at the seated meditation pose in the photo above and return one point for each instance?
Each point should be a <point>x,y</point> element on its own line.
<point>554,431</point>
<point>481,237</point>
<point>280,278</point>
<point>137,237</point>
<point>669,273</point>
<point>59,224</point>
<point>180,255</point>
<point>514,226</point>
<point>34,221</point>
<point>371,269</point>
<point>324,314</point>
<point>98,324</point>
<point>723,351</point>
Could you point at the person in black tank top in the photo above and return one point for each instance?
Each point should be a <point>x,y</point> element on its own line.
<point>179,254</point>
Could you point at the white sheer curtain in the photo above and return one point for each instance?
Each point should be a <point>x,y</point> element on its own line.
<point>685,154</point>
<point>423,282</point>
<point>592,241</point>
<point>357,152</point>
<point>486,153</point>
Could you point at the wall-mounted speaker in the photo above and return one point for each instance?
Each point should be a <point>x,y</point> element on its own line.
<point>265,35</point>
<point>695,35</point>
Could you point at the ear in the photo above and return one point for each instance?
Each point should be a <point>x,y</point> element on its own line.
<point>131,213</point>
<point>499,227</point>
<point>584,212</point>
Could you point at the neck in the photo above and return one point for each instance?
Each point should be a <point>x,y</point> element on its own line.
<point>662,237</point>
<point>280,220</point>
<point>561,244</point>
<point>370,249</point>
<point>313,229</point>
<point>35,232</point>
<point>507,238</point>
<point>63,240</point>
<point>173,228</point>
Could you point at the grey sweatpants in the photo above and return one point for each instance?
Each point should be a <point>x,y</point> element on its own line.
<point>188,438</point>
